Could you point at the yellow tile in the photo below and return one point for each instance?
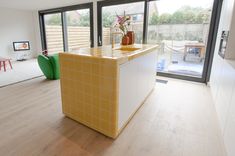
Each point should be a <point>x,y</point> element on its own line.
<point>88,89</point>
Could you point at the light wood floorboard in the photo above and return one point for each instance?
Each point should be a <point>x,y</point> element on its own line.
<point>178,119</point>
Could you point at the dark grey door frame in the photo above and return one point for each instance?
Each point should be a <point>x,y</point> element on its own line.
<point>217,8</point>
<point>62,10</point>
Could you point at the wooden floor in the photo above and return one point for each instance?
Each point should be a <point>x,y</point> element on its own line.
<point>178,119</point>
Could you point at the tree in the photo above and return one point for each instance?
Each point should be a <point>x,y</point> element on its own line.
<point>84,20</point>
<point>54,19</point>
<point>108,19</point>
<point>203,17</point>
<point>165,18</point>
<point>154,19</point>
<point>177,17</point>
<point>189,17</point>
<point>184,15</point>
<point>195,15</point>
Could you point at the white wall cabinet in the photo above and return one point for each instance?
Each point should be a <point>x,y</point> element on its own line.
<point>222,79</point>
<point>229,132</point>
<point>226,83</point>
<point>223,86</point>
<point>137,79</point>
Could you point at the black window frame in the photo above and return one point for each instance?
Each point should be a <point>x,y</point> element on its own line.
<point>63,10</point>
<point>215,18</point>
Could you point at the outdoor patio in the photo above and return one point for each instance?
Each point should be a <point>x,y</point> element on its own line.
<point>174,58</point>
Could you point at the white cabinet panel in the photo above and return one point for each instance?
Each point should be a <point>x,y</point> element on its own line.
<point>137,78</point>
<point>215,75</point>
<point>229,134</point>
<point>153,70</point>
<point>146,75</point>
<point>127,91</point>
<point>226,81</point>
<point>225,103</point>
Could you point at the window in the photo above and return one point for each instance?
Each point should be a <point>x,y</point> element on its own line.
<point>78,29</point>
<point>185,48</point>
<point>108,18</point>
<point>67,29</point>
<point>182,33</point>
<point>54,35</point>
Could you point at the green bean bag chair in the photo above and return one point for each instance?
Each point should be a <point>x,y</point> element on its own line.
<point>50,66</point>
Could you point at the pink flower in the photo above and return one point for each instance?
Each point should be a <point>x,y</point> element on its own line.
<point>123,22</point>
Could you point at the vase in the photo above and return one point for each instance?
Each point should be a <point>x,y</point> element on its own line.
<point>131,36</point>
<point>125,40</point>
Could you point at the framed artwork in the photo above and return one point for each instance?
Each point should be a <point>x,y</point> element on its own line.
<point>21,46</point>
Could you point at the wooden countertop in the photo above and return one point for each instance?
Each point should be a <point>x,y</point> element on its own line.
<point>122,56</point>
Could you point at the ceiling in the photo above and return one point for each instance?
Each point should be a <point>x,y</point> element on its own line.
<point>39,4</point>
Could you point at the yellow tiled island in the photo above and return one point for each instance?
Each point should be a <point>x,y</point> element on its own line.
<point>102,87</point>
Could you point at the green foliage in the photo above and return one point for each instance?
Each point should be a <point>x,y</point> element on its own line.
<point>185,15</point>
<point>154,19</point>
<point>177,17</point>
<point>83,20</point>
<point>203,16</point>
<point>108,19</point>
<point>54,19</point>
<point>165,18</point>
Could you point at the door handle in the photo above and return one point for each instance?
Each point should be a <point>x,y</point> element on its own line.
<point>99,40</point>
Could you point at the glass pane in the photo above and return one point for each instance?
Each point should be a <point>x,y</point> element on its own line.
<point>54,36</point>
<point>181,29</point>
<point>109,20</point>
<point>78,28</point>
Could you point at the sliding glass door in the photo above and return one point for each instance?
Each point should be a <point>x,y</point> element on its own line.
<point>67,29</point>
<point>185,31</point>
<point>181,28</point>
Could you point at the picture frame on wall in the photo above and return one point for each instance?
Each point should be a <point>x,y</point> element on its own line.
<point>21,45</point>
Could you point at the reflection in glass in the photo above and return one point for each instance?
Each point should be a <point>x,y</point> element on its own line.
<point>78,29</point>
<point>134,10</point>
<point>54,36</point>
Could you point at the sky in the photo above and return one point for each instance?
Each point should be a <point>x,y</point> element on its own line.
<point>170,6</point>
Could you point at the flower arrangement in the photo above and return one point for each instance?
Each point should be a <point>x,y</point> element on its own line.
<point>123,22</point>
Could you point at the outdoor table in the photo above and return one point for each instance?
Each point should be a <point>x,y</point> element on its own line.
<point>200,46</point>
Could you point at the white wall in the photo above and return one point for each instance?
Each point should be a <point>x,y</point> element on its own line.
<point>17,25</point>
<point>38,44</point>
<point>222,82</point>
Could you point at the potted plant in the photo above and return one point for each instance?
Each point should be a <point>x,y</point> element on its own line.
<point>122,23</point>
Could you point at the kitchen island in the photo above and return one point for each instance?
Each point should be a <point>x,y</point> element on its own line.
<point>102,88</point>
